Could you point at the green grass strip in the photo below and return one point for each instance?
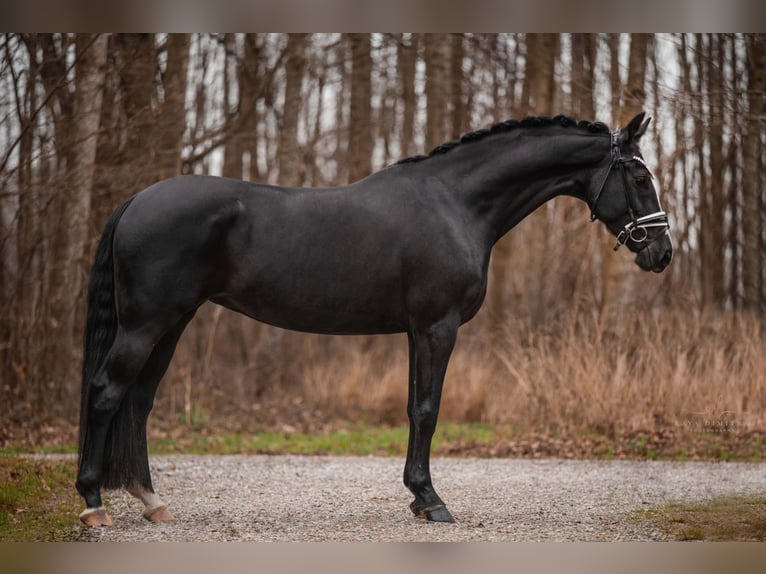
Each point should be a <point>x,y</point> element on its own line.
<point>38,502</point>
<point>355,440</point>
<point>730,518</point>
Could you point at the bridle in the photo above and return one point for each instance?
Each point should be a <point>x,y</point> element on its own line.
<point>637,230</point>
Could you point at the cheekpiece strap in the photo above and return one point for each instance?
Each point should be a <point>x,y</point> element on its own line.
<point>616,154</point>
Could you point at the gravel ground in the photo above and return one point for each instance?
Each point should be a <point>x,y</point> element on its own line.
<point>331,498</point>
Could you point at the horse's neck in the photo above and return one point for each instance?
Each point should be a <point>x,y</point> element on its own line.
<point>502,182</point>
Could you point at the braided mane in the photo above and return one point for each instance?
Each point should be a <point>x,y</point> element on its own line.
<point>507,126</point>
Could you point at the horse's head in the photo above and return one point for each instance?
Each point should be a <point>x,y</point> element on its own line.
<point>625,199</point>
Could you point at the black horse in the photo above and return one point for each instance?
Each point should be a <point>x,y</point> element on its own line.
<point>403,250</point>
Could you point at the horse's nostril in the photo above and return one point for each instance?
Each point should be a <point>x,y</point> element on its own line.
<point>665,261</point>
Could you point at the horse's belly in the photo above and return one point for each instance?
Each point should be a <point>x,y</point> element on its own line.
<point>316,320</point>
<point>316,308</point>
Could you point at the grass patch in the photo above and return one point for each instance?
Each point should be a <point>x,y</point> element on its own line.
<point>16,449</point>
<point>450,439</point>
<point>357,440</point>
<point>452,433</point>
<point>733,518</point>
<point>38,502</point>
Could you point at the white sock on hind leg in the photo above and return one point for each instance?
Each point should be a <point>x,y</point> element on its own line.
<point>150,499</point>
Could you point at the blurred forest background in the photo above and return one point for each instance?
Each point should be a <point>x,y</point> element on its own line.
<point>575,339</point>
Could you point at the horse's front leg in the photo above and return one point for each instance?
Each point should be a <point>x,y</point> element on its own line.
<point>430,349</point>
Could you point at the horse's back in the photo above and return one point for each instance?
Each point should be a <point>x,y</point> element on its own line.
<point>302,259</point>
<point>355,259</point>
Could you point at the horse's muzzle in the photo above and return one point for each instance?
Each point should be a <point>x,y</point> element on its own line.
<point>656,255</point>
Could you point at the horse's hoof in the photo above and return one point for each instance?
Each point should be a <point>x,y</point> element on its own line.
<point>435,513</point>
<point>439,514</point>
<point>95,517</point>
<point>158,514</point>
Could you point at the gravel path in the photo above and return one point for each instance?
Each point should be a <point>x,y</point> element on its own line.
<point>331,498</point>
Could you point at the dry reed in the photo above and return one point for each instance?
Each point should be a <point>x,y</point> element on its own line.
<point>670,369</point>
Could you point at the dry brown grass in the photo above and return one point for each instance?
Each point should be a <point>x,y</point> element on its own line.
<point>670,384</point>
<point>695,372</point>
<point>645,373</point>
<point>643,379</point>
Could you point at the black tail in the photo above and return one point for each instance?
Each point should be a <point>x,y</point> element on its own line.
<point>101,322</point>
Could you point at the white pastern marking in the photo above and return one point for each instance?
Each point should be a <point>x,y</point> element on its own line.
<point>150,499</point>
<point>88,511</point>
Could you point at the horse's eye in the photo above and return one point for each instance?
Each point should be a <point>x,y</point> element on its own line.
<point>641,180</point>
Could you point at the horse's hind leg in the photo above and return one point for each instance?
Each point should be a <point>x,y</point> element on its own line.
<point>125,360</point>
<point>155,509</point>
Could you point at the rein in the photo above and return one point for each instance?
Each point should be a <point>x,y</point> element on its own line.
<point>637,230</point>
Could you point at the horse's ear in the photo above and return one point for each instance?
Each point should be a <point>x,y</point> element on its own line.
<point>642,129</point>
<point>635,129</point>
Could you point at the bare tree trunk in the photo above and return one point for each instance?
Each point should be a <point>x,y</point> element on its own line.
<point>56,345</point>
<point>172,113</point>
<point>406,55</point>
<point>705,191</point>
<point>457,115</point>
<point>289,152</point>
<point>501,253</point>
<point>682,111</point>
<point>437,58</point>
<point>252,88</point>
<point>107,186</point>
<point>634,94</point>
<point>253,84</point>
<point>542,50</point>
<point>575,223</point>
<point>716,204</point>
<point>125,159</point>
<point>20,285</point>
<point>137,57</point>
<point>68,269</point>
<point>752,182</point>
<point>53,75</point>
<point>29,246</point>
<point>536,99</point>
<point>633,101</point>
<point>734,190</point>
<point>233,149</point>
<point>664,170</point>
<point>615,83</point>
<point>583,50</point>
<point>386,117</point>
<point>272,342</point>
<point>89,88</point>
<point>360,140</point>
